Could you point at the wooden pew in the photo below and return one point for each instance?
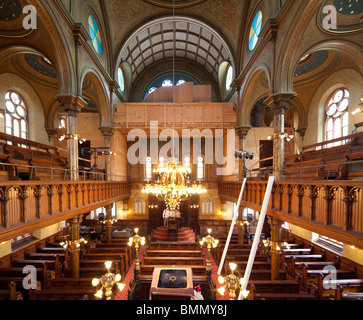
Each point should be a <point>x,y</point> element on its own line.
<point>197,261</point>
<point>11,293</point>
<point>310,276</point>
<point>335,288</point>
<point>277,290</point>
<point>174,253</point>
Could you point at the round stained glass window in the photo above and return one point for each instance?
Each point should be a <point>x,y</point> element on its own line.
<point>338,103</point>
<point>15,115</point>
<point>255,30</point>
<point>95,34</point>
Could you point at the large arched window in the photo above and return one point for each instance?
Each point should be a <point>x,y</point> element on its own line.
<point>337,117</point>
<point>16,115</point>
<point>255,30</point>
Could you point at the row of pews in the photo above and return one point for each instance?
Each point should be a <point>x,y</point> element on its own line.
<point>260,285</point>
<point>172,254</point>
<point>327,160</point>
<point>305,273</point>
<point>23,159</point>
<point>323,277</point>
<point>50,265</point>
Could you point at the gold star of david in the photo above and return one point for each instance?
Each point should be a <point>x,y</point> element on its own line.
<point>172,278</point>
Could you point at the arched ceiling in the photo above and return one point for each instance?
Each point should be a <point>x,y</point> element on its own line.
<point>192,40</point>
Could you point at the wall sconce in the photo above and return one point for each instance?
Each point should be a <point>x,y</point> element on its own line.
<point>194,206</point>
<point>152,206</point>
<point>281,136</point>
<point>74,136</point>
<point>359,108</point>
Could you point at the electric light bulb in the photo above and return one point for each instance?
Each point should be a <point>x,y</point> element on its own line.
<point>95,282</point>
<point>220,279</point>
<point>117,277</point>
<point>233,266</point>
<point>242,282</point>
<point>121,286</point>
<point>245,293</point>
<point>99,294</point>
<point>221,290</point>
<point>136,230</point>
<point>108,264</point>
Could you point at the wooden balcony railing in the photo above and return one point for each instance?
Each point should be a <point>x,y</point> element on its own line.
<point>330,208</point>
<point>27,206</point>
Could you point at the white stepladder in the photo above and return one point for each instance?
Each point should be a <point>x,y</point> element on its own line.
<point>257,237</point>
<point>234,219</point>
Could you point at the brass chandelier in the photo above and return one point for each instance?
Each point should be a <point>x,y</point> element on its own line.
<point>173,186</point>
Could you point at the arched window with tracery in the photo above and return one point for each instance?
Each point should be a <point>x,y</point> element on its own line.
<point>16,115</point>
<point>337,117</point>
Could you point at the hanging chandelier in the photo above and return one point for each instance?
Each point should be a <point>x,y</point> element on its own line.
<point>173,185</point>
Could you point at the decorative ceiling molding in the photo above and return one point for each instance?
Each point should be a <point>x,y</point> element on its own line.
<point>174,3</point>
<point>194,41</point>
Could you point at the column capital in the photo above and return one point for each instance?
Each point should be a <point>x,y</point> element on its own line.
<point>72,103</point>
<point>242,130</point>
<point>280,101</point>
<point>107,131</point>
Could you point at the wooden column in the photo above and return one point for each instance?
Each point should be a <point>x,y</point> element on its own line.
<point>74,249</point>
<point>72,106</point>
<point>275,241</point>
<point>242,131</point>
<point>108,222</point>
<point>279,103</point>
<point>240,225</point>
<point>107,134</point>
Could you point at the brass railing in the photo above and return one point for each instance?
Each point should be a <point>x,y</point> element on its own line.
<point>331,208</point>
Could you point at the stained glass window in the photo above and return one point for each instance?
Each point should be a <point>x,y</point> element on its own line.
<point>337,117</point>
<point>121,79</point>
<point>255,30</point>
<point>16,121</point>
<point>95,34</point>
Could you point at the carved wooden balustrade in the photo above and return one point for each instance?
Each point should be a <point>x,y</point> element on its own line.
<point>26,206</point>
<point>331,208</point>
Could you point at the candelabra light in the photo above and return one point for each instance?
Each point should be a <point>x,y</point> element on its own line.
<point>211,242</point>
<point>68,243</point>
<point>74,136</point>
<point>107,282</point>
<point>137,240</point>
<point>232,283</point>
<point>109,220</point>
<point>173,186</point>
<point>276,246</point>
<point>281,136</point>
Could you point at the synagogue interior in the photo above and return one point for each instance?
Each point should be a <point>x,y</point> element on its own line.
<point>181,150</point>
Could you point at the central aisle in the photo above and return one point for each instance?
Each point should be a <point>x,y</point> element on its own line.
<point>130,275</point>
